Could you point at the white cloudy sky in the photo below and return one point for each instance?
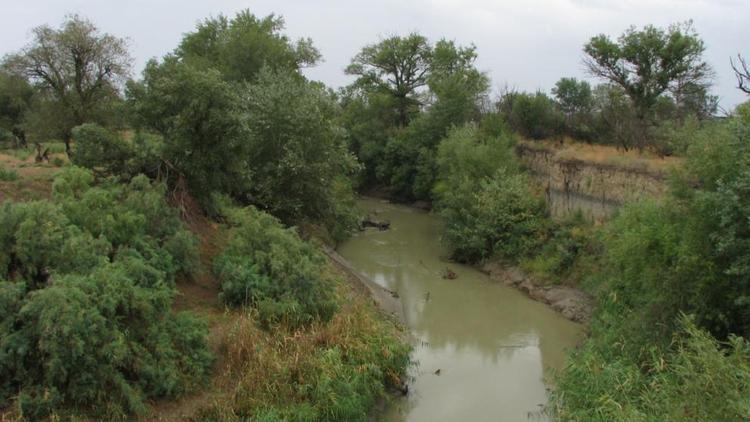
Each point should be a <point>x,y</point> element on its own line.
<point>527,44</point>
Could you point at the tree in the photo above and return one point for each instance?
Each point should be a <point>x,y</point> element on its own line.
<point>742,73</point>
<point>398,66</point>
<point>15,100</point>
<point>572,96</point>
<point>199,115</point>
<point>296,152</point>
<point>240,47</point>
<point>649,63</point>
<point>77,68</point>
<point>575,100</point>
<point>532,115</point>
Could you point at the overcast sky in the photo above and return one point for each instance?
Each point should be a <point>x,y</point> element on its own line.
<point>526,44</point>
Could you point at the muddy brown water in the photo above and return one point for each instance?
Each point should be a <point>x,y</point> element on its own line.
<point>483,351</point>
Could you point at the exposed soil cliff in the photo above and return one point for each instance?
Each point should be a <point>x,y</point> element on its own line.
<point>594,188</point>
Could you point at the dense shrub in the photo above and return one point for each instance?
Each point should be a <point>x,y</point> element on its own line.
<point>687,254</point>
<point>198,115</point>
<point>488,206</point>
<point>700,379</point>
<point>534,116</point>
<point>270,268</point>
<point>503,217</point>
<point>297,155</point>
<point>85,311</point>
<point>569,250</point>
<point>100,149</point>
<point>7,175</point>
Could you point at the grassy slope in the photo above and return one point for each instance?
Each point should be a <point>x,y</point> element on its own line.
<point>246,356</point>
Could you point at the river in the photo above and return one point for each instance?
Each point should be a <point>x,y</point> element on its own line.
<point>482,350</point>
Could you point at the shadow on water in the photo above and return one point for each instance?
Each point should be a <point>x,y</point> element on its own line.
<point>482,349</point>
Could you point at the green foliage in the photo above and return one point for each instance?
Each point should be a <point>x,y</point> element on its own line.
<point>395,140</point>
<point>534,116</point>
<point>297,155</point>
<point>687,254</point>
<point>15,100</point>
<point>397,66</point>
<point>101,150</point>
<point>575,100</point>
<point>240,47</point>
<point>652,62</point>
<point>78,71</point>
<point>570,250</point>
<point>269,267</point>
<point>700,379</point>
<point>237,118</point>
<point>8,175</point>
<point>199,116</point>
<point>86,321</point>
<point>488,206</point>
<point>504,217</point>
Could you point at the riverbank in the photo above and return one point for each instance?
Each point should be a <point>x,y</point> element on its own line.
<point>574,304</point>
<point>483,349</point>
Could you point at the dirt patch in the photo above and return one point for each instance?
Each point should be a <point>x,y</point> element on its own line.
<point>572,303</point>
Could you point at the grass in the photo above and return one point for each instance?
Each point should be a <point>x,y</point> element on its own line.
<point>325,371</point>
<point>8,175</point>
<point>570,149</point>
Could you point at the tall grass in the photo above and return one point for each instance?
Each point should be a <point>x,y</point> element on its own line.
<point>330,371</point>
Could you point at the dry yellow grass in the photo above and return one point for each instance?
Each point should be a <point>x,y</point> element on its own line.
<point>570,149</point>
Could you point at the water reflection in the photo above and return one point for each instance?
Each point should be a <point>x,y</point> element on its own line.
<point>482,348</point>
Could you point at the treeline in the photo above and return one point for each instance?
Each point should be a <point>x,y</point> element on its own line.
<point>229,119</point>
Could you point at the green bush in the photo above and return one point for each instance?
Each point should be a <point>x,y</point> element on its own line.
<point>534,116</point>
<point>7,175</point>
<point>269,267</point>
<point>569,249</point>
<point>99,149</point>
<point>504,217</point>
<point>687,254</point>
<point>699,380</point>
<point>85,312</point>
<point>488,206</point>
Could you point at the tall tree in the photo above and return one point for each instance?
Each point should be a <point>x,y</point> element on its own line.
<point>573,96</point>
<point>397,65</point>
<point>77,68</point>
<point>241,46</point>
<point>649,62</point>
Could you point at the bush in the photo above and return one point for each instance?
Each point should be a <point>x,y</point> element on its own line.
<point>269,267</point>
<point>7,175</point>
<point>504,217</point>
<point>700,380</point>
<point>568,251</point>
<point>85,311</point>
<point>687,254</point>
<point>534,116</point>
<point>99,149</point>
<point>489,208</point>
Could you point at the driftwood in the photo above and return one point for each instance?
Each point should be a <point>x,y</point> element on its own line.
<point>381,225</point>
<point>449,274</point>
